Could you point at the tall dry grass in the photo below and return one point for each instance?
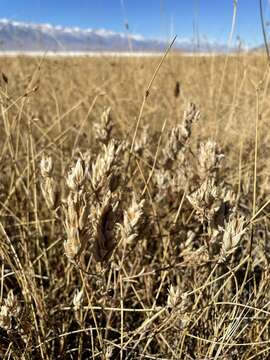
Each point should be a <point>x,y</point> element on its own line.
<point>122,247</point>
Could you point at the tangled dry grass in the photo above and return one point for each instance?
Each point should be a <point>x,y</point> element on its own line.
<point>115,246</point>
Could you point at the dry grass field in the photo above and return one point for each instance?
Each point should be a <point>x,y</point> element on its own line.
<point>135,225</point>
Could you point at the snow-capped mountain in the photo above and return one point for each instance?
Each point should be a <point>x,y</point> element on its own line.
<point>28,37</point>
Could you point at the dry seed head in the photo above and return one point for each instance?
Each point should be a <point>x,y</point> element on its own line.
<point>72,245</point>
<point>228,195</point>
<point>49,191</point>
<point>209,159</point>
<point>77,209</point>
<point>83,212</point>
<point>76,176</point>
<point>179,136</point>
<point>71,213</point>
<point>76,213</point>
<point>205,199</point>
<point>104,128</point>
<point>9,309</point>
<point>103,234</point>
<point>104,168</point>
<point>191,114</point>
<point>78,299</point>
<point>11,300</point>
<point>48,184</point>
<point>134,212</point>
<point>178,301</point>
<point>233,232</point>
<point>132,220</point>
<point>174,297</point>
<point>5,321</point>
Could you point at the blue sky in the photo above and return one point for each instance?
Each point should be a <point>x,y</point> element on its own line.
<point>151,18</point>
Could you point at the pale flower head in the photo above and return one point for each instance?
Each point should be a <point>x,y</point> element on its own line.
<point>76,176</point>
<point>233,233</point>
<point>174,297</point>
<point>78,299</point>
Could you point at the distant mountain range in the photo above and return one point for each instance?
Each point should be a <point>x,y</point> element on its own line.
<point>28,37</point>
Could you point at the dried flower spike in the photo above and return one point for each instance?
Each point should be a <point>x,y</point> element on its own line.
<point>174,297</point>
<point>48,184</point>
<point>209,160</point>
<point>103,225</point>
<point>76,213</point>
<point>78,299</point>
<point>9,309</point>
<point>104,128</point>
<point>232,234</point>
<point>76,176</point>
<point>132,219</point>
